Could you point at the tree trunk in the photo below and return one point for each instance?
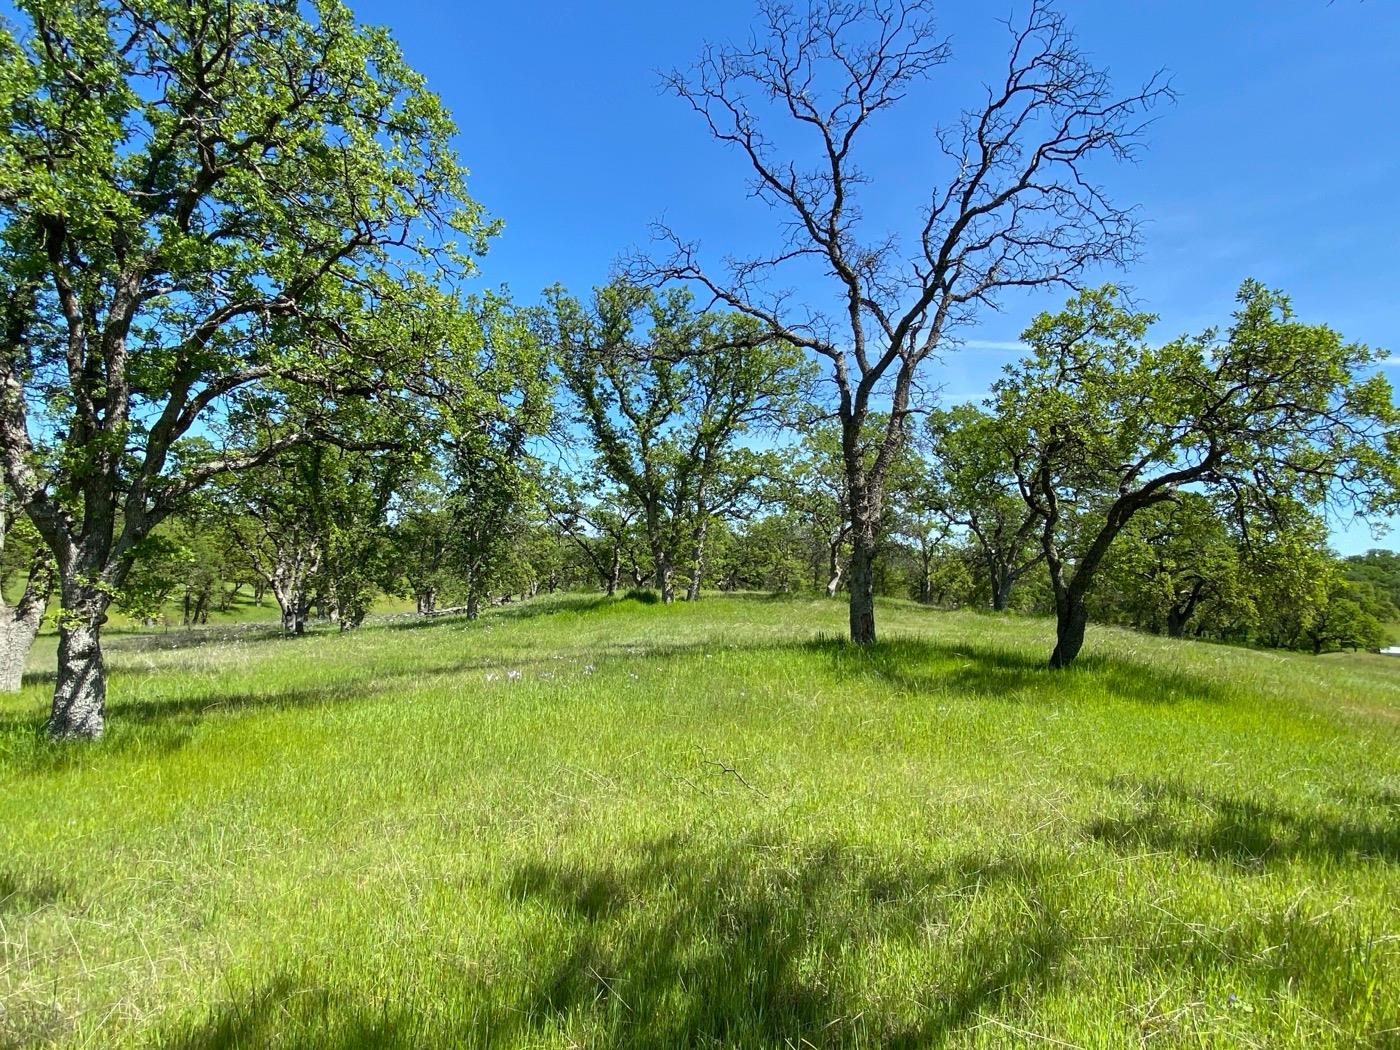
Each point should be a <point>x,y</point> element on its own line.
<point>664,577</point>
<point>863,590</point>
<point>427,601</point>
<point>1001,589</point>
<point>80,696</point>
<point>833,576</point>
<point>20,624</point>
<point>16,639</point>
<point>614,570</point>
<point>1071,618</point>
<point>1176,623</point>
<point>925,578</point>
<point>697,569</point>
<point>294,606</point>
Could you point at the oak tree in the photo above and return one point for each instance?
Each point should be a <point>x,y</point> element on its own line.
<point>200,202</point>
<point>1012,201</point>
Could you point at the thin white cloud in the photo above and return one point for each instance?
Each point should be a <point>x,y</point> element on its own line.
<point>1393,361</point>
<point>1009,346</point>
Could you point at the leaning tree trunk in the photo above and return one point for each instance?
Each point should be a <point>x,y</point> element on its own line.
<point>80,696</point>
<point>17,630</point>
<point>20,624</point>
<point>1071,618</point>
<point>862,577</point>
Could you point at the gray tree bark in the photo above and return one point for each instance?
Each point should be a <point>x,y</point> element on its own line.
<point>862,577</point>
<point>19,624</point>
<point>665,577</point>
<point>18,628</point>
<point>697,569</point>
<point>80,697</point>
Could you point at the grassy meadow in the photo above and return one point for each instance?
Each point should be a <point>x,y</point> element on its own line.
<point>593,823</point>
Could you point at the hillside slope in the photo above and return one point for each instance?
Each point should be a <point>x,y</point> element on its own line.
<point>593,823</point>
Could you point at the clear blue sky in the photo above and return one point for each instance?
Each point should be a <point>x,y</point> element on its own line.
<point>1280,160</point>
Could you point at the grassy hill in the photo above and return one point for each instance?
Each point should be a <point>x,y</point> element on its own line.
<point>592,823</point>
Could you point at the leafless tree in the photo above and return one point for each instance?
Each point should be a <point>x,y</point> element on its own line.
<point>1012,204</point>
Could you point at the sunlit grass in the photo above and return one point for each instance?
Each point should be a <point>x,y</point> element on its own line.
<point>593,823</point>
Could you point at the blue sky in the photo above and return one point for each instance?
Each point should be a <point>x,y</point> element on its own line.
<point>1279,161</point>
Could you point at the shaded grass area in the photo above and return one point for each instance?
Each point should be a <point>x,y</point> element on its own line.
<point>585,822</point>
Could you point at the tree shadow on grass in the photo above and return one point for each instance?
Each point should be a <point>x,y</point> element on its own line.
<point>151,727</point>
<point>765,946</point>
<point>916,665</point>
<point>1242,832</point>
<point>23,892</point>
<point>759,943</point>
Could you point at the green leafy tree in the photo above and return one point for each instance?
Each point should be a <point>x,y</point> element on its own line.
<point>200,202</point>
<point>349,497</point>
<point>1273,416</point>
<point>1178,567</point>
<point>420,536</point>
<point>1378,568</point>
<point>666,394</point>
<point>974,488</point>
<point>1290,572</point>
<point>269,514</point>
<point>595,517</point>
<point>1351,616</point>
<point>490,473</point>
<point>181,561</point>
<point>814,489</point>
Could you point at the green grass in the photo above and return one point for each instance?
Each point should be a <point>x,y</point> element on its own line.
<point>591,823</point>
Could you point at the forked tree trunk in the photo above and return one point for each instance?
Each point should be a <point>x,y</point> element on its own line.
<point>80,696</point>
<point>862,577</point>
<point>294,605</point>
